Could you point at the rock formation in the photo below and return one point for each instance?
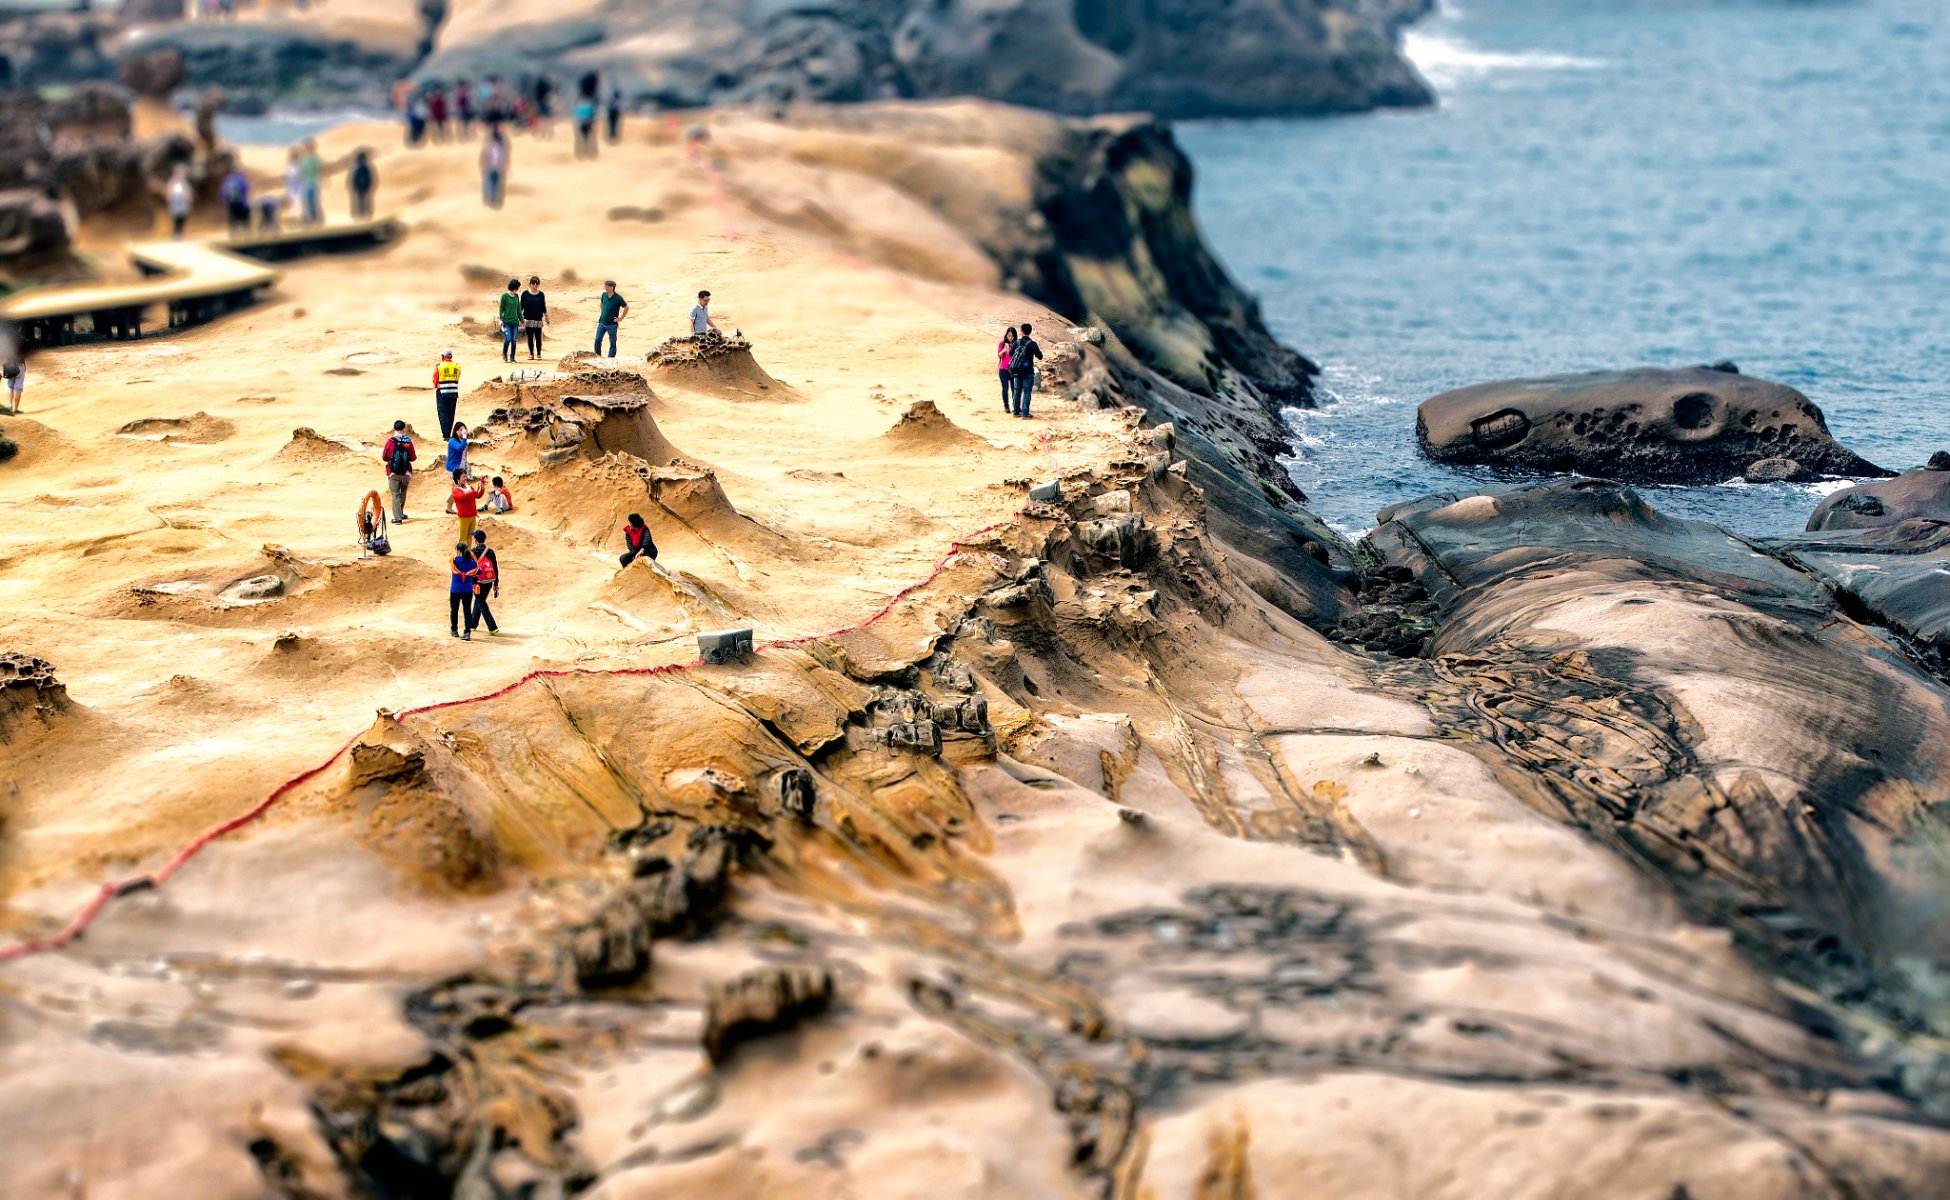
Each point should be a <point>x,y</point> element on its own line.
<point>1919,492</point>
<point>1695,426</point>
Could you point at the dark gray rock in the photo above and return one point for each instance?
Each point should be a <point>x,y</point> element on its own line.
<point>1919,492</point>
<point>1645,425</point>
<point>1778,470</point>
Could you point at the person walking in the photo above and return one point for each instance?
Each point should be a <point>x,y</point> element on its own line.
<point>1022,369</point>
<point>363,181</point>
<point>437,112</point>
<point>460,591</point>
<point>464,503</point>
<point>487,580</point>
<point>312,170</point>
<point>1005,354</point>
<point>399,456</point>
<point>446,392</point>
<point>464,108</point>
<point>457,449</point>
<point>14,369</point>
<point>701,322</point>
<point>613,111</point>
<point>494,166</point>
<point>614,309</point>
<point>534,315</point>
<point>584,115</point>
<point>510,318</point>
<point>235,190</point>
<point>639,543</point>
<point>177,198</point>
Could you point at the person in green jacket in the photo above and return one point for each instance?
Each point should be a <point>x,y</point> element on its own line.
<point>510,318</point>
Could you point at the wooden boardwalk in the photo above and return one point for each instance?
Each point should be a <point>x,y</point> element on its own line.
<point>194,281</point>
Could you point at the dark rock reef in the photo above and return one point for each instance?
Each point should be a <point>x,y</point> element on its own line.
<point>1645,425</point>
<point>1919,492</point>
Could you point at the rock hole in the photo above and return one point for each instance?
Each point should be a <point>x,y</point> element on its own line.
<point>1694,410</point>
<point>1504,428</point>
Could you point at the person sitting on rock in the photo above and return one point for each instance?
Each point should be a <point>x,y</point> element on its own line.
<point>498,498</point>
<point>636,535</point>
<point>464,503</point>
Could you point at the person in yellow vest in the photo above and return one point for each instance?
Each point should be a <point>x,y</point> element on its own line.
<point>446,391</point>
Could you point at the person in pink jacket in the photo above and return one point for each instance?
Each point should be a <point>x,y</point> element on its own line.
<point>1005,351</point>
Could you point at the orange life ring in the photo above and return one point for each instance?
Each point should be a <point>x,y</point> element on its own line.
<point>377,525</point>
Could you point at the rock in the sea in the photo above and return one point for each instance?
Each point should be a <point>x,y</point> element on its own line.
<point>1645,425</point>
<point>1778,470</point>
<point>1918,492</point>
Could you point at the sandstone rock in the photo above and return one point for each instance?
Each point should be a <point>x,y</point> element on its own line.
<point>1124,539</point>
<point>29,694</point>
<point>33,231</point>
<point>91,112</point>
<point>155,74</point>
<point>1918,492</point>
<point>1643,425</point>
<point>762,1003</point>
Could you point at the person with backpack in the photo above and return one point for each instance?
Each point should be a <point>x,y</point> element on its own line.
<point>235,192</point>
<point>487,579</point>
<point>460,591</point>
<point>15,370</point>
<point>1022,369</point>
<point>509,316</point>
<point>636,535</point>
<point>1005,353</point>
<point>363,181</point>
<point>398,456</point>
<point>446,392</point>
<point>534,315</point>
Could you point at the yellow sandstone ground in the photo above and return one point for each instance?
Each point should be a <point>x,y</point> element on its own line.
<point>1186,904</point>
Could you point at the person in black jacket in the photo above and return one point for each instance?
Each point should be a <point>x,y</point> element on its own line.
<point>1022,369</point>
<point>363,182</point>
<point>534,315</point>
<point>636,535</point>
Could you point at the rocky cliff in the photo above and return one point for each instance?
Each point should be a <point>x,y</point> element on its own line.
<point>1173,57</point>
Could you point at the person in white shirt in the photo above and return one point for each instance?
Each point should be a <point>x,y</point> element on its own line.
<point>701,322</point>
<point>177,198</point>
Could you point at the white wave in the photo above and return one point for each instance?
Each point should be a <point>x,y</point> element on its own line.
<point>1445,60</point>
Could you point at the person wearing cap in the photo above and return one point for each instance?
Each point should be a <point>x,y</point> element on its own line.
<point>614,309</point>
<point>446,392</point>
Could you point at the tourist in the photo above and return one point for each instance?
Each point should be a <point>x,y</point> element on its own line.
<point>268,208</point>
<point>1005,353</point>
<point>464,503</point>
<point>416,117</point>
<point>460,590</point>
<point>585,119</point>
<point>235,191</point>
<point>14,369</point>
<point>701,322</point>
<point>544,92</point>
<point>499,500</point>
<point>457,448</point>
<point>1022,369</point>
<point>636,536</point>
<point>437,112</point>
<point>534,315</point>
<point>312,169</point>
<point>613,109</point>
<point>464,108</point>
<point>399,457</point>
<point>487,580</point>
<point>510,319</point>
<point>177,198</point>
<point>294,181</point>
<point>446,392</point>
<point>494,166</point>
<point>614,309</point>
<point>363,181</point>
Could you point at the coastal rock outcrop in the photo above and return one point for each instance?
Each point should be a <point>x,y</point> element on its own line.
<point>1919,492</point>
<point>1645,425</point>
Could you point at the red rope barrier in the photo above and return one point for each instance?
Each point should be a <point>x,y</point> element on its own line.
<point>136,883</point>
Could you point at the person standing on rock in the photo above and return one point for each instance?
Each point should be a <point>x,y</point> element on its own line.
<point>614,309</point>
<point>363,181</point>
<point>639,543</point>
<point>510,318</point>
<point>177,197</point>
<point>534,315</point>
<point>460,590</point>
<point>701,322</point>
<point>494,166</point>
<point>399,456</point>
<point>464,502</point>
<point>1005,355</point>
<point>446,392</point>
<point>487,581</point>
<point>1022,369</point>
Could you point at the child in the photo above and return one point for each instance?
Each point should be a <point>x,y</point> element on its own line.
<point>498,499</point>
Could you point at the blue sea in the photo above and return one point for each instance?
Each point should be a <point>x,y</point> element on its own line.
<point>1607,183</point>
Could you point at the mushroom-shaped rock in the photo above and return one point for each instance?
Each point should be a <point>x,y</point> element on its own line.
<point>1645,425</point>
<point>1919,492</point>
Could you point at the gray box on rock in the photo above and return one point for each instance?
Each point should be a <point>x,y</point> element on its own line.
<point>1047,493</point>
<point>724,645</point>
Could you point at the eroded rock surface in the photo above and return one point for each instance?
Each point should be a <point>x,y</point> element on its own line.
<point>1921,492</point>
<point>1645,425</point>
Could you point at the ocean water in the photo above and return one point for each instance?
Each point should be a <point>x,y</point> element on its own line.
<point>1608,183</point>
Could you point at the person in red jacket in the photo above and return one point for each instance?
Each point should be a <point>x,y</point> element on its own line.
<point>399,456</point>
<point>636,535</point>
<point>464,502</point>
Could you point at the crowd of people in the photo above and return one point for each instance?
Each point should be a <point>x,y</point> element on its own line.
<point>302,202</point>
<point>439,112</point>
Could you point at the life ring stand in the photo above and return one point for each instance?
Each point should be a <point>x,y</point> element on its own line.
<point>370,519</point>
